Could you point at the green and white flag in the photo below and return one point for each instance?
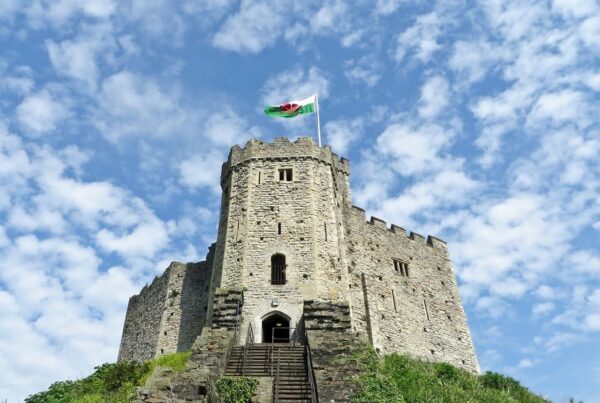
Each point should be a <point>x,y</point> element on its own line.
<point>293,108</point>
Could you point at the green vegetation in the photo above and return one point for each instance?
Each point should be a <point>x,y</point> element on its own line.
<point>109,382</point>
<point>236,390</point>
<point>398,378</point>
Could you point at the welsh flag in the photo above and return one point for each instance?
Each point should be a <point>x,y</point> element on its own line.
<point>293,108</point>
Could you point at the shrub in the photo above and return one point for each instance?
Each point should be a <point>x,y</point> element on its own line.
<point>236,390</point>
<point>499,381</point>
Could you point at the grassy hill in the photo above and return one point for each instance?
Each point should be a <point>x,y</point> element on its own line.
<point>109,382</point>
<point>398,378</point>
<point>393,378</point>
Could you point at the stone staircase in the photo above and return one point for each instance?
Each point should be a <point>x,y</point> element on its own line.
<point>291,385</point>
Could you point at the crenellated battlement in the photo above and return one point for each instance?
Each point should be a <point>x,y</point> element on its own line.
<point>282,149</point>
<point>360,215</point>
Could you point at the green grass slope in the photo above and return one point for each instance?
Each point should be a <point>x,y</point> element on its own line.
<point>397,378</point>
<point>109,382</point>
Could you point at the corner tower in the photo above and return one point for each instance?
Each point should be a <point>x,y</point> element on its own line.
<point>281,235</point>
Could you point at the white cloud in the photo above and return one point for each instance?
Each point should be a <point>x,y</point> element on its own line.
<point>434,97</point>
<point>145,240</point>
<point>545,292</point>
<point>366,70</point>
<point>542,309</point>
<point>295,83</point>
<point>414,149</point>
<point>41,113</point>
<point>202,171</point>
<point>58,14</point>
<point>441,190</point>
<point>254,27</point>
<point>78,58</point>
<point>525,363</point>
<point>131,105</point>
<point>575,8</point>
<point>386,7</point>
<point>226,128</point>
<point>342,133</point>
<point>590,32</point>
<point>560,107</point>
<point>421,38</point>
<point>474,59</point>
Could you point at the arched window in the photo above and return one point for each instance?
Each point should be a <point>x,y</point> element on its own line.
<point>278,269</point>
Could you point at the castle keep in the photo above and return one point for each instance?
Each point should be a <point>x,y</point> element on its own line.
<point>295,260</point>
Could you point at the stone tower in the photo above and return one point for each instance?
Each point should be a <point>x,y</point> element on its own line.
<point>295,259</point>
<point>282,201</point>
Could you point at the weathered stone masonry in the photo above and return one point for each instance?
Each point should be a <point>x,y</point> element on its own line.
<point>169,314</point>
<point>393,289</point>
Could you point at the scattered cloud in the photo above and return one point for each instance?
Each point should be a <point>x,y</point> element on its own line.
<point>342,133</point>
<point>434,97</point>
<point>131,105</point>
<point>421,39</point>
<point>40,113</point>
<point>254,27</point>
<point>295,83</point>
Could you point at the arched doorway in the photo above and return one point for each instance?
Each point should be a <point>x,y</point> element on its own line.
<point>276,329</point>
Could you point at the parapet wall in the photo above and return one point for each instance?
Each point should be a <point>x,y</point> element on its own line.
<point>283,148</point>
<point>403,292</point>
<point>169,314</point>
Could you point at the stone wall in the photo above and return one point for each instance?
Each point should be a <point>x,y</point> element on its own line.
<point>169,314</point>
<point>142,321</point>
<point>411,306</point>
<point>332,343</point>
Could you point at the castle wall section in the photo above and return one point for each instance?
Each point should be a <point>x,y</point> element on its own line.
<point>403,293</point>
<point>142,321</point>
<point>169,314</point>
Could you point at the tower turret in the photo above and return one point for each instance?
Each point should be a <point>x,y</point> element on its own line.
<point>281,228</point>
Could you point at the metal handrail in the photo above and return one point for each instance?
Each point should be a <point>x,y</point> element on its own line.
<point>248,344</point>
<point>311,376</point>
<point>276,386</point>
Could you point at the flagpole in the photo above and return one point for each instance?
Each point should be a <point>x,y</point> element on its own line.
<point>318,120</point>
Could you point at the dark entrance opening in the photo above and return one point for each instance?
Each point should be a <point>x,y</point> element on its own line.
<point>276,329</point>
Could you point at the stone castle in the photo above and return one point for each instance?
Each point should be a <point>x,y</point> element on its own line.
<point>295,260</point>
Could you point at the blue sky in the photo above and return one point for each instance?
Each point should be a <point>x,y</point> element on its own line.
<point>474,121</point>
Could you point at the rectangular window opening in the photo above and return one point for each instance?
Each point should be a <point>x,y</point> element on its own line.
<point>401,267</point>
<point>279,228</point>
<point>394,299</point>
<point>285,175</point>
<point>325,227</point>
<point>426,310</point>
<point>259,177</point>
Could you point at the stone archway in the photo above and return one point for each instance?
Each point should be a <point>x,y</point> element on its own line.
<point>276,328</point>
